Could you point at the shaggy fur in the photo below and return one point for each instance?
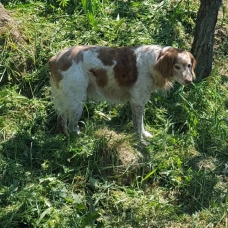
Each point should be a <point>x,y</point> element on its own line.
<point>114,75</point>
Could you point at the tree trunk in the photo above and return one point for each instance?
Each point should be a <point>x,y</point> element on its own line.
<point>202,47</point>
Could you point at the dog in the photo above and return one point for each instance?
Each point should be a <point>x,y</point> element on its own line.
<point>115,75</point>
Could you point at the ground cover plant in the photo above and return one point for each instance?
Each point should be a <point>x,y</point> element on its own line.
<point>104,178</point>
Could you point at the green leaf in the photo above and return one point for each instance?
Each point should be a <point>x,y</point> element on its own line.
<point>90,218</point>
<point>149,174</point>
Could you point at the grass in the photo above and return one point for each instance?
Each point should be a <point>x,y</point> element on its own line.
<point>104,177</point>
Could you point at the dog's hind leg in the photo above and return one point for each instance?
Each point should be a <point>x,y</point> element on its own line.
<point>74,116</point>
<point>69,100</point>
<point>69,112</point>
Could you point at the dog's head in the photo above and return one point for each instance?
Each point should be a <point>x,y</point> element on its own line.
<point>177,64</point>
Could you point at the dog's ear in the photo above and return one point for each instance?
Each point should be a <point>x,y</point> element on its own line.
<point>193,60</point>
<point>165,63</point>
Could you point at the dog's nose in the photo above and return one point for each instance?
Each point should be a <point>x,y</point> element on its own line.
<point>188,81</point>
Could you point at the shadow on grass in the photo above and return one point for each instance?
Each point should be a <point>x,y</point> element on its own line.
<point>36,160</point>
<point>204,185</point>
<point>205,181</point>
<point>35,168</point>
<point>198,192</point>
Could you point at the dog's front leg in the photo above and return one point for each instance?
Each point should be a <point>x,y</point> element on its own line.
<point>137,116</point>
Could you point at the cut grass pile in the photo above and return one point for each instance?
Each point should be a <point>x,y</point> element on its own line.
<point>104,176</point>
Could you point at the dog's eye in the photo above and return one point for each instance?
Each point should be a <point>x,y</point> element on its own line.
<point>177,67</point>
<point>189,66</point>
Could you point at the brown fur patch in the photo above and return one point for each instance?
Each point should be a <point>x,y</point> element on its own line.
<point>63,61</point>
<point>125,70</point>
<point>101,76</point>
<point>56,76</point>
<point>193,60</point>
<point>165,62</point>
<point>107,56</point>
<point>161,82</point>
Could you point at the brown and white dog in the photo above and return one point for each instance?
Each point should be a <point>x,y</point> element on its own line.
<point>115,75</point>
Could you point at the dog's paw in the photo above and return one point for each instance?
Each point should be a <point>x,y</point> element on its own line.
<point>147,134</point>
<point>76,130</point>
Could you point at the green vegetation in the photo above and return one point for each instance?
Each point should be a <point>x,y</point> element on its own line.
<point>48,180</point>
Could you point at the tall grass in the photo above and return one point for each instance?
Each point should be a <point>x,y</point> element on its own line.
<point>103,177</point>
